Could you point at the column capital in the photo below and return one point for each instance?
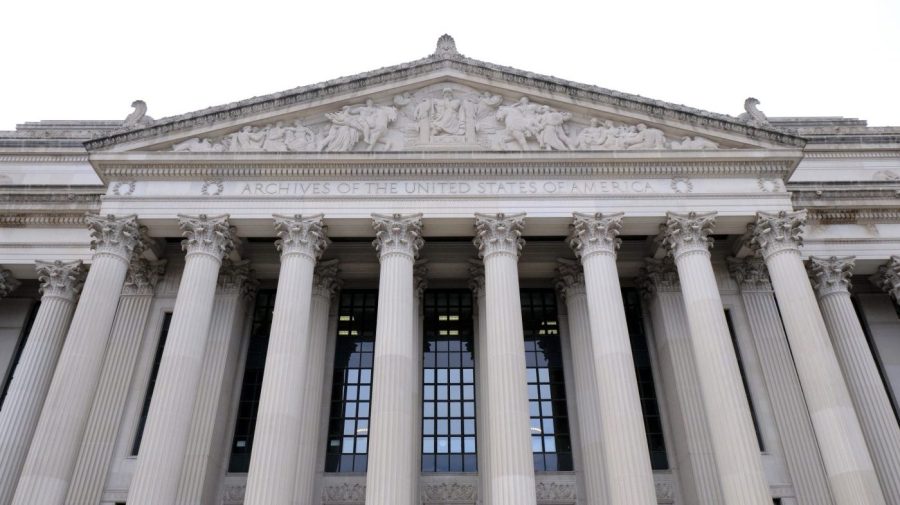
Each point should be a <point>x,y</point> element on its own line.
<point>831,275</point>
<point>397,234</point>
<point>476,275</point>
<point>117,236</point>
<point>499,234</point>
<point>304,235</point>
<point>688,233</point>
<point>750,273</point>
<point>212,235</point>
<point>778,232</point>
<point>888,277</point>
<point>420,278</point>
<point>60,279</point>
<point>658,275</point>
<point>569,277</point>
<point>143,276</point>
<point>595,233</point>
<point>8,283</point>
<point>237,277</point>
<point>325,278</point>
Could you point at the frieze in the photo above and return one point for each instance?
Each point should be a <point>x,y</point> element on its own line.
<point>344,493</point>
<point>449,492</point>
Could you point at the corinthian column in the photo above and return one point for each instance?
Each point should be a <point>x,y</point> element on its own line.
<point>508,434</point>
<point>831,278</point>
<point>888,278</point>
<point>476,284</point>
<point>48,468</point>
<point>570,283</point>
<point>847,462</point>
<point>324,287</point>
<point>797,436</point>
<point>165,439</point>
<point>60,283</point>
<point>273,462</point>
<point>118,370</point>
<point>678,370</point>
<point>724,399</point>
<point>392,477</point>
<point>8,283</point>
<point>622,438</point>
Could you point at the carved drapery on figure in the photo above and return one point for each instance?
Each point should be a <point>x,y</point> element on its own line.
<point>305,235</point>
<point>118,236</point>
<point>499,233</point>
<point>776,233</point>
<point>689,233</point>
<point>204,234</point>
<point>888,277</point>
<point>595,233</point>
<point>397,234</point>
<point>831,275</point>
<point>143,276</point>
<point>444,116</point>
<point>8,283</point>
<point>63,279</point>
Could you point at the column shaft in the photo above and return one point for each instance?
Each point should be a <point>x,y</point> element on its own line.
<point>54,449</point>
<point>476,283</point>
<point>32,377</point>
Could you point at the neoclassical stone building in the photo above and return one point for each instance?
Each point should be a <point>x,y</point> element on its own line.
<point>450,282</point>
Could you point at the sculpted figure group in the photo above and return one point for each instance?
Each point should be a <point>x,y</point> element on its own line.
<point>442,117</point>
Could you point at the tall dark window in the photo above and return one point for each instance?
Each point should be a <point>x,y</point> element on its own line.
<point>251,386</point>
<point>17,354</point>
<point>145,409</point>
<point>448,378</point>
<point>551,445</point>
<point>644,371</point>
<point>740,361</point>
<point>351,391</point>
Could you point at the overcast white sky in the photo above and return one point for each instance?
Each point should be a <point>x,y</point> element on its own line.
<point>89,59</point>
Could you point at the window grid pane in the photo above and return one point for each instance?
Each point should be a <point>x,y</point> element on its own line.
<point>251,386</point>
<point>551,444</point>
<point>151,384</point>
<point>448,383</point>
<point>351,393</point>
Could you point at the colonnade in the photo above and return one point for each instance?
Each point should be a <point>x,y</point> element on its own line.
<point>849,412</point>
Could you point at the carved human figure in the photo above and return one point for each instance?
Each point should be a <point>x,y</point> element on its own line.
<point>198,145</point>
<point>447,115</point>
<point>485,112</point>
<point>694,143</point>
<point>645,138</point>
<point>344,132</point>
<point>593,137</point>
<point>552,136</point>
<point>374,121</point>
<point>246,139</point>
<point>274,140</point>
<point>299,138</point>
<point>520,121</point>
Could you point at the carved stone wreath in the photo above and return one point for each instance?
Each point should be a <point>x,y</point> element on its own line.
<point>123,188</point>
<point>682,185</point>
<point>212,187</point>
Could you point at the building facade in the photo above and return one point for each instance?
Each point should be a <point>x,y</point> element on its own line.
<point>450,282</point>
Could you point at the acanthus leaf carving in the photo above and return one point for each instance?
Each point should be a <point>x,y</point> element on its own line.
<point>212,235</point>
<point>888,277</point>
<point>8,283</point>
<point>831,275</point>
<point>499,234</point>
<point>689,233</point>
<point>62,279</point>
<point>776,233</point>
<point>397,234</point>
<point>118,236</point>
<point>476,275</point>
<point>595,234</point>
<point>143,276</point>
<point>750,273</point>
<point>569,277</point>
<point>325,278</point>
<point>304,235</point>
<point>659,275</point>
<point>420,278</point>
<point>237,277</point>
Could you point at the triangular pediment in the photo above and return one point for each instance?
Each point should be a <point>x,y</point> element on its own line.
<point>446,102</point>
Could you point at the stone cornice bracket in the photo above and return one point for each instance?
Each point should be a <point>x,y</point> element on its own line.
<point>831,275</point>
<point>8,283</point>
<point>143,276</point>
<point>397,234</point>
<point>420,278</point>
<point>211,235</point>
<point>888,277</point>
<point>595,234</point>
<point>569,277</point>
<point>326,282</point>
<point>777,233</point>
<point>750,273</point>
<point>499,234</point>
<point>237,277</point>
<point>476,275</point>
<point>297,234</point>
<point>117,236</point>
<point>689,233</point>
<point>61,279</point>
<point>658,275</point>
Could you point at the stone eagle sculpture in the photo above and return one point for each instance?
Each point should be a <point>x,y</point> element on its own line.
<point>753,115</point>
<point>138,117</point>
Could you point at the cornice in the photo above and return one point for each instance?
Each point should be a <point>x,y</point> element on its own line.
<point>42,219</point>
<point>458,63</point>
<point>852,154</point>
<point>43,158</point>
<point>853,216</point>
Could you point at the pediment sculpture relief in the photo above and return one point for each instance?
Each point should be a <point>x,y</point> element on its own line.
<point>444,117</point>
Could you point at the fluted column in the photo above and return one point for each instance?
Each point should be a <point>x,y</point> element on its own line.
<point>392,477</point>
<point>831,279</point>
<point>60,283</point>
<point>849,467</point>
<point>325,286</point>
<point>622,438</point>
<point>724,398</point>
<point>570,282</point>
<point>476,284</point>
<point>8,283</point>
<point>273,462</point>
<point>801,451</point>
<point>508,436</point>
<point>125,340</point>
<point>165,440</point>
<point>696,464</point>
<point>54,448</point>
<point>203,462</point>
